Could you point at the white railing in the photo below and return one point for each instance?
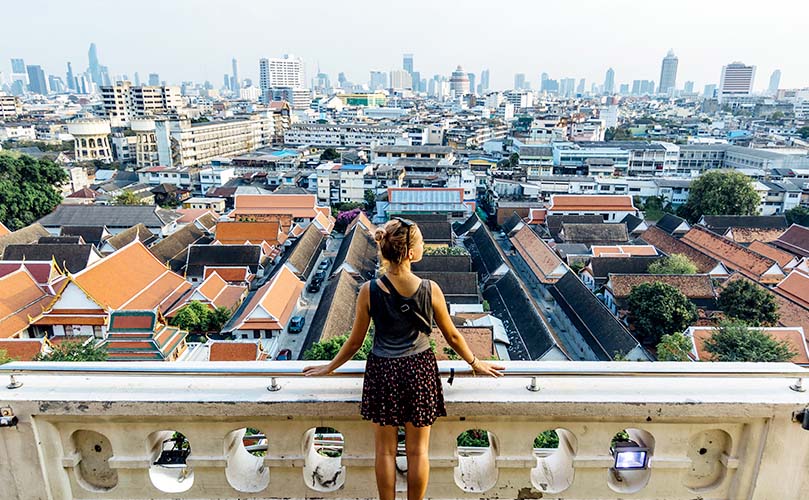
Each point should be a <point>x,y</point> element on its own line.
<point>213,430</point>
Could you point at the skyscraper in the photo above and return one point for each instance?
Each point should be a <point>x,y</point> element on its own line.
<point>154,79</point>
<point>519,81</point>
<point>775,81</point>
<point>472,88</point>
<point>400,79</point>
<point>688,88</point>
<point>94,67</point>
<point>459,82</point>
<point>736,80</point>
<point>137,79</point>
<point>235,85</point>
<point>36,80</point>
<point>407,63</point>
<point>668,74</point>
<point>580,87</point>
<point>71,84</point>
<point>379,80</point>
<point>18,66</point>
<point>609,81</point>
<point>484,82</point>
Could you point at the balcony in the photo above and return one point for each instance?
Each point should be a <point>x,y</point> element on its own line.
<point>214,431</point>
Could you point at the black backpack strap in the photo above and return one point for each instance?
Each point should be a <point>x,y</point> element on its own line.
<point>407,306</point>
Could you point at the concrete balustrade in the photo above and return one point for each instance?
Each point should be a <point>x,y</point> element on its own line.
<point>718,436</point>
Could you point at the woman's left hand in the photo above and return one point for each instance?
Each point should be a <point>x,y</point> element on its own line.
<point>316,371</point>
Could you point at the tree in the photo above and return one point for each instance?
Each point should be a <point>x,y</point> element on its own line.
<point>4,357</point>
<point>804,132</point>
<point>28,189</point>
<point>674,347</point>
<point>74,351</point>
<point>217,318</point>
<point>329,154</point>
<point>193,317</point>
<point>673,264</point>
<point>328,349</point>
<point>798,215</point>
<point>745,301</point>
<point>514,160</point>
<point>127,198</point>
<point>658,309</point>
<point>344,218</point>
<point>370,200</point>
<point>720,193</point>
<point>735,341</point>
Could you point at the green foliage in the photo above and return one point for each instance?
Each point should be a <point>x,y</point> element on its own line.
<point>370,200</point>
<point>4,357</point>
<point>477,438</point>
<point>328,349</point>
<point>547,439</point>
<point>63,146</point>
<point>127,198</point>
<point>514,160</point>
<point>674,347</point>
<point>444,250</point>
<point>620,437</point>
<point>196,317</point>
<point>329,154</point>
<point>451,354</point>
<point>577,266</point>
<point>734,341</point>
<point>74,351</point>
<point>673,264</point>
<point>28,189</point>
<point>804,132</point>
<point>618,134</point>
<point>720,193</point>
<point>798,215</point>
<point>745,301</point>
<point>486,306</point>
<point>658,309</point>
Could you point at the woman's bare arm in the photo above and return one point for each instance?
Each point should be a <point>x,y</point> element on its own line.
<point>362,320</point>
<point>454,337</point>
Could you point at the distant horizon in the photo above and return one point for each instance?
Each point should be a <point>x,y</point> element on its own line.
<point>195,41</point>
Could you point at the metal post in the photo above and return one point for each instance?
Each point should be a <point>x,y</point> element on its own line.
<point>533,386</point>
<point>274,386</point>
<point>13,383</point>
<point>798,386</point>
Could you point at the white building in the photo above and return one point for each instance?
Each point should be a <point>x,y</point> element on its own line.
<point>215,177</point>
<point>736,81</point>
<point>400,79</point>
<point>91,139</point>
<point>10,106</point>
<point>286,71</point>
<point>123,101</point>
<point>346,135</point>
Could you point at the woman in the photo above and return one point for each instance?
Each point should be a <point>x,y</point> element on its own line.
<point>401,385</point>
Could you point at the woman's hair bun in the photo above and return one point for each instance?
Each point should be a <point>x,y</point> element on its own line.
<point>379,234</point>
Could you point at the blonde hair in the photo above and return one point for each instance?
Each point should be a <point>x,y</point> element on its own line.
<point>392,240</point>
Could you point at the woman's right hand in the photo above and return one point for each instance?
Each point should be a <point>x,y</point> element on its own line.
<point>486,368</point>
<point>317,371</point>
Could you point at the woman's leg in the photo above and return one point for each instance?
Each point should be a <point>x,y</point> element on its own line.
<point>417,444</point>
<point>386,437</point>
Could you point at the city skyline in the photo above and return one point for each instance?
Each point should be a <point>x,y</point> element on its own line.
<point>701,43</point>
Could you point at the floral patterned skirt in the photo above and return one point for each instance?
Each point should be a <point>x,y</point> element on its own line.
<point>399,390</point>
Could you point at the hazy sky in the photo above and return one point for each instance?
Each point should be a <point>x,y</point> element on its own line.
<point>195,40</point>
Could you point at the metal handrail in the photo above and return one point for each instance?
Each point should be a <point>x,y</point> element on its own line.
<point>452,369</point>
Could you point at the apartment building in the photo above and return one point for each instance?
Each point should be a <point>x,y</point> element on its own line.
<point>695,159</point>
<point>10,106</point>
<point>123,101</point>
<point>348,135</point>
<point>183,143</point>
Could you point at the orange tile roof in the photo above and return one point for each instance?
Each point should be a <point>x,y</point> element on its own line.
<point>479,339</point>
<point>212,286</point>
<point>596,203</point>
<point>4,230</point>
<point>622,250</point>
<point>795,337</point>
<point>296,205</point>
<point>277,298</point>
<point>132,278</point>
<point>234,351</point>
<point>789,313</point>
<point>229,274</point>
<point>750,234</point>
<point>239,233</point>
<point>215,292</point>
<point>537,215</point>
<point>795,287</point>
<point>783,258</point>
<point>326,222</point>
<point>670,245</point>
<point>192,214</point>
<point>693,286</point>
<point>733,255</point>
<point>20,297</point>
<point>22,349</point>
<point>543,261</point>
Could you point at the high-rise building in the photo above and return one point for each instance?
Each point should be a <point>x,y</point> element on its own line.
<point>56,84</point>
<point>688,88</point>
<point>736,80</point>
<point>379,80</point>
<point>775,81</point>
<point>567,86</point>
<point>519,81</point>
<point>407,63</point>
<point>484,82</point>
<point>154,79</point>
<point>668,74</point>
<point>643,87</point>
<point>18,66</point>
<point>19,77</point>
<point>94,67</point>
<point>400,79</point>
<point>709,91</point>
<point>285,72</point>
<point>136,80</point>
<point>123,101</point>
<point>415,80</point>
<point>225,83</point>
<point>71,84</point>
<point>36,80</point>
<point>471,77</point>
<point>580,87</point>
<point>235,85</point>
<point>624,89</point>
<point>609,81</point>
<point>459,82</point>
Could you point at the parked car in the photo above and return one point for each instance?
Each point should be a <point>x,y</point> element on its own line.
<point>283,355</point>
<point>324,264</point>
<point>296,324</point>
<point>319,276</point>
<point>313,287</point>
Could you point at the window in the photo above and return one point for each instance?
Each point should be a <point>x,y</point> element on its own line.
<point>603,188</point>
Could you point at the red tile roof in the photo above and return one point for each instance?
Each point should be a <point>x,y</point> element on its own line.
<point>622,250</point>
<point>234,351</point>
<point>295,205</point>
<point>22,349</point>
<point>795,337</point>
<point>795,287</point>
<point>592,203</point>
<point>20,298</point>
<point>783,258</point>
<point>693,286</point>
<point>735,256</point>
<point>795,240</point>
<point>544,263</point>
<point>670,245</point>
<point>273,303</point>
<point>240,233</point>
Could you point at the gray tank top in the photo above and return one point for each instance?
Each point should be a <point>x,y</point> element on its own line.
<point>397,331</point>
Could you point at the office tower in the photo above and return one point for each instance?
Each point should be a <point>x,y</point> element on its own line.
<point>459,82</point>
<point>36,80</point>
<point>415,80</point>
<point>71,84</point>
<point>225,83</point>
<point>19,77</point>
<point>136,79</point>
<point>567,86</point>
<point>235,85</point>
<point>56,85</point>
<point>286,71</point>
<point>668,74</point>
<point>105,75</point>
<point>471,77</point>
<point>549,85</point>
<point>736,80</point>
<point>379,80</point>
<point>775,81</point>
<point>321,83</point>
<point>580,87</point>
<point>484,81</point>
<point>624,89</point>
<point>688,88</point>
<point>609,81</point>
<point>154,79</point>
<point>519,81</point>
<point>400,79</point>
<point>95,67</point>
<point>709,91</point>
<point>407,63</point>
<point>18,66</point>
